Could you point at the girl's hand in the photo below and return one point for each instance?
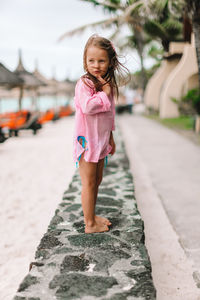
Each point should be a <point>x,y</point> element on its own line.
<point>112,143</point>
<point>106,87</point>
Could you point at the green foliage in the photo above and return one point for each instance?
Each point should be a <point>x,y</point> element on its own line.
<point>182,122</point>
<point>112,9</point>
<point>164,23</point>
<point>92,1</point>
<point>106,8</point>
<point>159,5</point>
<point>169,30</point>
<point>172,26</point>
<point>155,52</point>
<point>189,104</point>
<point>155,29</point>
<point>193,97</point>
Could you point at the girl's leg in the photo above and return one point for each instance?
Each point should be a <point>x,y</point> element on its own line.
<point>99,176</point>
<point>88,179</point>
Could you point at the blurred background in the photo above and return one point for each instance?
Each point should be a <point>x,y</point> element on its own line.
<point>42,45</point>
<point>41,53</point>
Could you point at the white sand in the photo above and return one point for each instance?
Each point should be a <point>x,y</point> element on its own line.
<point>34,173</point>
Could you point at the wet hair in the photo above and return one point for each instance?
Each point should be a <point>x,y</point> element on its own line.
<point>117,74</point>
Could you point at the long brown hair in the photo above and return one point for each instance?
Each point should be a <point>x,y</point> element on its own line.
<point>116,71</point>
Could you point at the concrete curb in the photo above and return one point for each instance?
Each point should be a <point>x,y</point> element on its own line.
<point>172,271</point>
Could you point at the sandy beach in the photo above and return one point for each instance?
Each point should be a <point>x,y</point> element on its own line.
<point>35,171</point>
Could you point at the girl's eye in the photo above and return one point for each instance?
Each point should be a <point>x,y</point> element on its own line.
<point>102,61</point>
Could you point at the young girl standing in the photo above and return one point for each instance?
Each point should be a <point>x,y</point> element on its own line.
<point>94,123</point>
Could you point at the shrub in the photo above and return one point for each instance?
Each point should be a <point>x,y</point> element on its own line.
<point>190,103</point>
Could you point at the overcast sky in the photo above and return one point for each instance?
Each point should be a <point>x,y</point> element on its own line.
<point>35,25</point>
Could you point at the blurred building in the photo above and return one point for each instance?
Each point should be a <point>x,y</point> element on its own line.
<point>177,74</point>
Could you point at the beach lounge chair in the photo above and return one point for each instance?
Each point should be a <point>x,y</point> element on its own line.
<point>3,136</point>
<point>30,124</point>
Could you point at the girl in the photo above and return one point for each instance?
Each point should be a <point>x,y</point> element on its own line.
<point>94,123</point>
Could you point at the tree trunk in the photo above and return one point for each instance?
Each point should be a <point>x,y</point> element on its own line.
<point>196,29</point>
<point>187,28</point>
<point>21,91</point>
<point>140,48</point>
<point>143,73</point>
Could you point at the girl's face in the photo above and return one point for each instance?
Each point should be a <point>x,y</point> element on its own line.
<point>97,61</point>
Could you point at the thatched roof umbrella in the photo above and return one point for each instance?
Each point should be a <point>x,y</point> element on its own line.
<point>51,85</point>
<point>30,81</point>
<point>39,76</point>
<point>8,78</point>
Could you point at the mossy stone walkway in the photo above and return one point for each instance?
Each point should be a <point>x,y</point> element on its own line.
<point>115,265</point>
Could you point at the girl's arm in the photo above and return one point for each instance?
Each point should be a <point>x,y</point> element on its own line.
<point>91,103</point>
<point>112,143</point>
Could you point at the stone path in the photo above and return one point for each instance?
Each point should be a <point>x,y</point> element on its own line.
<point>115,265</point>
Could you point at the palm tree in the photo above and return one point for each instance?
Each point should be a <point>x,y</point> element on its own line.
<point>192,8</point>
<point>123,12</point>
<point>186,10</point>
<point>164,25</point>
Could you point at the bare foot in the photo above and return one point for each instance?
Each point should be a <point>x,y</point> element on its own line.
<point>97,227</point>
<point>102,220</point>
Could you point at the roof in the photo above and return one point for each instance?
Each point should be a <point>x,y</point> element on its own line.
<point>9,78</point>
<point>39,76</point>
<point>30,81</point>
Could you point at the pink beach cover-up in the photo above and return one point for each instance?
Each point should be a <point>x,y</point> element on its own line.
<point>94,121</point>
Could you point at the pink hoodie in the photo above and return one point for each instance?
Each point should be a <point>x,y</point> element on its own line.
<point>94,121</point>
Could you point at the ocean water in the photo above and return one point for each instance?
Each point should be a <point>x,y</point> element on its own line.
<point>41,103</point>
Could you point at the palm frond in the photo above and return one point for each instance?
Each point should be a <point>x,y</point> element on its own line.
<point>158,5</point>
<point>130,9</point>
<point>155,29</point>
<point>95,2</point>
<point>155,7</point>
<point>155,52</point>
<point>104,23</point>
<point>106,4</point>
<point>176,7</point>
<point>172,26</point>
<point>111,4</point>
<point>131,13</point>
